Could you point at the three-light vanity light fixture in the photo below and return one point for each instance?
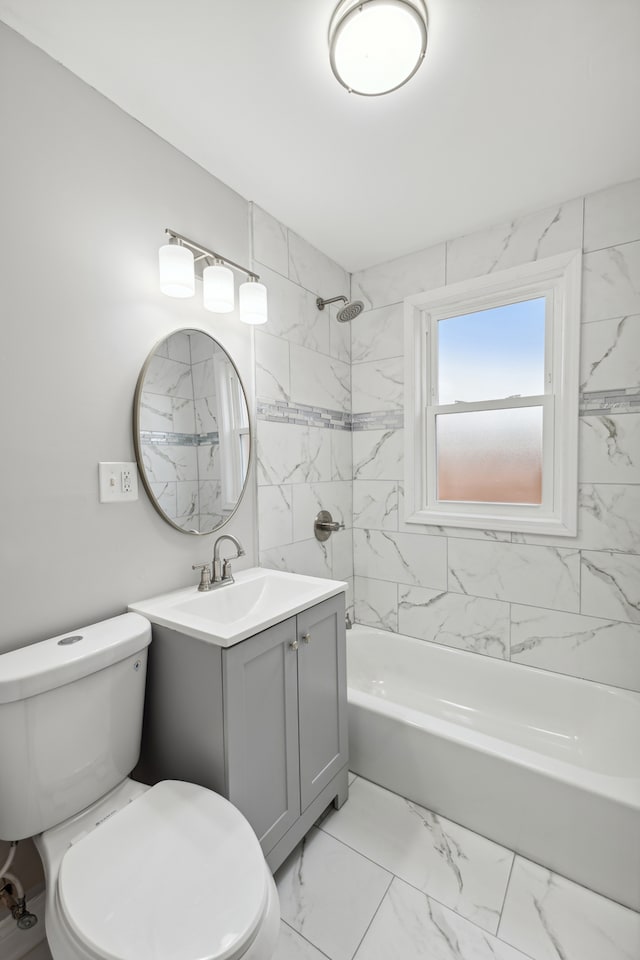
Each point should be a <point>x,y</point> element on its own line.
<point>177,260</point>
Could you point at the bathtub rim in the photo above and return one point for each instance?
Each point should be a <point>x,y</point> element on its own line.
<point>621,788</point>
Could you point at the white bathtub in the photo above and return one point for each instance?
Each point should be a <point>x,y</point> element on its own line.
<point>546,765</point>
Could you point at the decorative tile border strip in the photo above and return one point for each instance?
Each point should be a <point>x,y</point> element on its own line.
<point>610,401</point>
<point>280,411</point>
<point>164,437</point>
<point>378,420</point>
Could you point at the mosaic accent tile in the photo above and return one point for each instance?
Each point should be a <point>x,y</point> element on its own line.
<point>178,439</point>
<point>301,414</point>
<point>378,420</point>
<point>610,401</point>
<point>591,403</point>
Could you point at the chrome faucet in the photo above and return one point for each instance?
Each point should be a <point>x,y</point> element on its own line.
<point>218,573</point>
<point>222,568</point>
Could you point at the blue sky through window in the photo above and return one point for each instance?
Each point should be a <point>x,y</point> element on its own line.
<point>492,354</point>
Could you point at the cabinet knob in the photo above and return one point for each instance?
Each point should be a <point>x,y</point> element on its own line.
<point>294,644</point>
<point>306,637</point>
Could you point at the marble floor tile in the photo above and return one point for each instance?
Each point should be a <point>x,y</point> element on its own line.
<point>551,918</point>
<point>291,946</point>
<point>329,893</point>
<point>410,926</point>
<point>460,869</point>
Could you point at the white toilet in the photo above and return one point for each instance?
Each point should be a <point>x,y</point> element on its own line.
<point>169,872</point>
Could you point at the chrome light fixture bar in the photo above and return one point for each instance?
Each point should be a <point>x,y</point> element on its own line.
<point>177,260</point>
<point>376,46</point>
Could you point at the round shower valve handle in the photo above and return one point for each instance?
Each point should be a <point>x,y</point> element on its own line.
<point>324,525</point>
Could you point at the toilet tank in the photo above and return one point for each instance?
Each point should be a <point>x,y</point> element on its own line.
<point>70,721</point>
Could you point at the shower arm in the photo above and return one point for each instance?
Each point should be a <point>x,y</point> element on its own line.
<point>321,304</point>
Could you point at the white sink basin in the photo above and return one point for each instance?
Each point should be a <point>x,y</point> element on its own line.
<point>225,615</point>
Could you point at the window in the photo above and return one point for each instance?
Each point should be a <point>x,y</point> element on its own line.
<point>491,400</point>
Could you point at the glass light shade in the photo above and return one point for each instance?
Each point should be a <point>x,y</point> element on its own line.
<point>218,288</point>
<point>253,302</point>
<point>177,274</point>
<point>377,45</point>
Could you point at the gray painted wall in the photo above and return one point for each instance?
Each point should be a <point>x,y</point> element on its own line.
<point>86,193</point>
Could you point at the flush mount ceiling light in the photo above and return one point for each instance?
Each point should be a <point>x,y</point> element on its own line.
<point>177,260</point>
<point>375,46</point>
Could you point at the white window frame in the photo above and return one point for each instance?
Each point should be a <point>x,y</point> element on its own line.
<point>558,279</point>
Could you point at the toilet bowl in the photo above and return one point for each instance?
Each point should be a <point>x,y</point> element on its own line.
<point>133,872</point>
<point>170,872</point>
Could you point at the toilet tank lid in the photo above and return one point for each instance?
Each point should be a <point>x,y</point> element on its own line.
<point>70,656</point>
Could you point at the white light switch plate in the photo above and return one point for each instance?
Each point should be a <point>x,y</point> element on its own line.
<point>118,482</point>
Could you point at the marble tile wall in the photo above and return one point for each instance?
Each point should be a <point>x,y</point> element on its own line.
<point>570,605</point>
<point>303,390</point>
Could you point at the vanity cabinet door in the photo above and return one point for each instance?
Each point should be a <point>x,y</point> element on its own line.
<point>261,730</point>
<point>322,694</point>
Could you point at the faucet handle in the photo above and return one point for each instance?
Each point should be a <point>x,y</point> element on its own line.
<point>205,575</point>
<point>227,575</point>
<point>324,525</point>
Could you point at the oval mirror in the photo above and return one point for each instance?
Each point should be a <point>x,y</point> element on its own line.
<point>191,432</point>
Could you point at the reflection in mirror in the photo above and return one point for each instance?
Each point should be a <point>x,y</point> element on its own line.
<point>191,431</point>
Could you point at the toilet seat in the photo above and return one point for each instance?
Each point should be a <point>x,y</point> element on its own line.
<point>177,874</point>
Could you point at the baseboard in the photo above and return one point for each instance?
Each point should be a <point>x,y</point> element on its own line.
<point>16,943</point>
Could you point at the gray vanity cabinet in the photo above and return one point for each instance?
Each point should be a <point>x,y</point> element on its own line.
<point>285,717</point>
<point>322,686</point>
<point>263,722</point>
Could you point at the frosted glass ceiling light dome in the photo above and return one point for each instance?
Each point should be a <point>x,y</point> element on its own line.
<point>177,270</point>
<point>375,46</point>
<point>218,288</point>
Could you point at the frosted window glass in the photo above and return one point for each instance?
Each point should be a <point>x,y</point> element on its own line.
<point>492,354</point>
<point>490,456</point>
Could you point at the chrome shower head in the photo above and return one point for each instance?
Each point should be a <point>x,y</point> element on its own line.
<point>351,309</point>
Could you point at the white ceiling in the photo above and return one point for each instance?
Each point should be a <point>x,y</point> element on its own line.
<point>518,105</point>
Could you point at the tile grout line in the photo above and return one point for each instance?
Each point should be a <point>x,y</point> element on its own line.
<point>428,896</point>
<point>306,939</point>
<point>504,899</point>
<point>383,898</point>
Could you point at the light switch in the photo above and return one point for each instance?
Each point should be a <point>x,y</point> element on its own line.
<point>118,482</point>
